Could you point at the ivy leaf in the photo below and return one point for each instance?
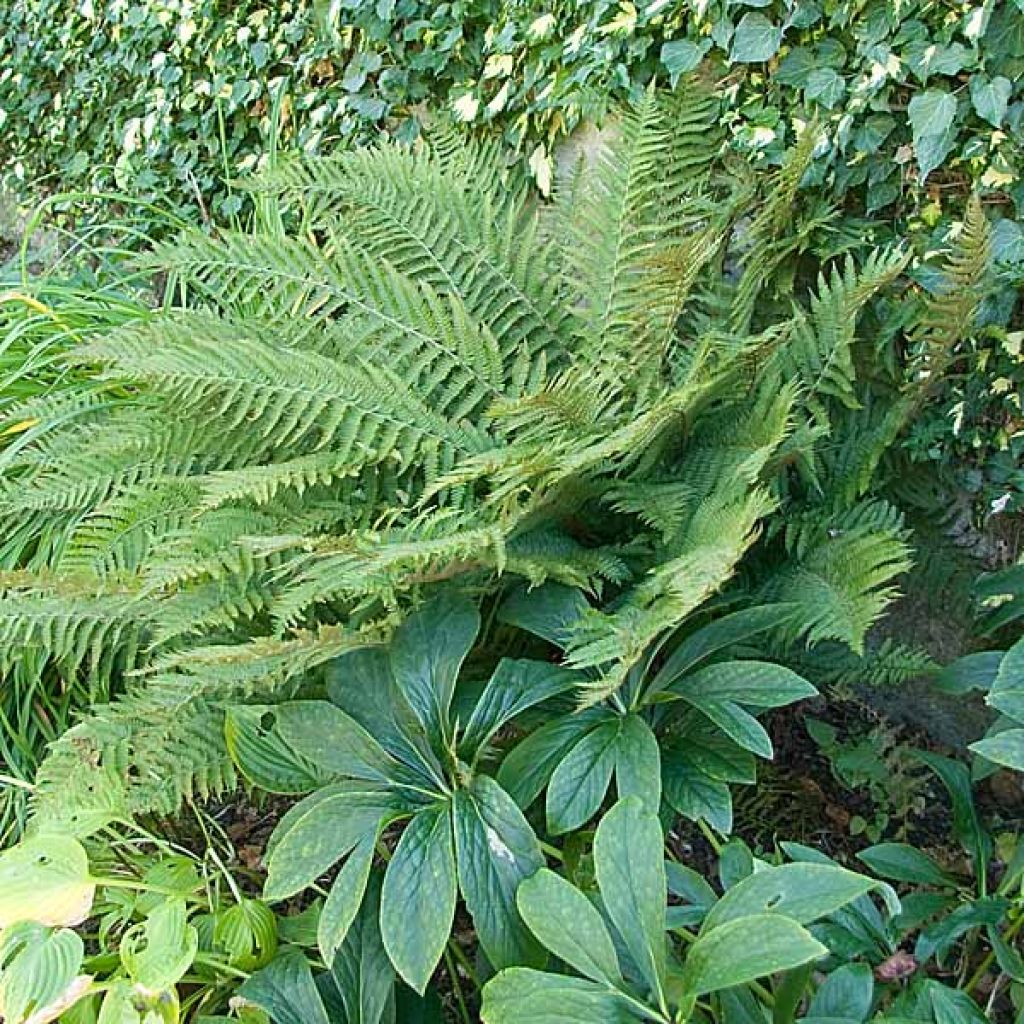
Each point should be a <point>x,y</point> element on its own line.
<point>990,97</point>
<point>630,870</point>
<point>825,86</point>
<point>932,114</point>
<point>496,851</point>
<point>568,924</point>
<point>745,949</point>
<point>523,996</point>
<point>418,897</point>
<point>756,39</point>
<point>682,55</point>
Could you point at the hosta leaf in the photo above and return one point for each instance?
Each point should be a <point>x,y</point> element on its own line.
<point>318,832</point>
<point>746,948</point>
<point>496,850</point>
<point>158,952</point>
<point>638,763</point>
<point>38,968</point>
<point>523,996</point>
<point>527,767</point>
<point>803,892</point>
<point>904,863</point>
<point>568,924</point>
<point>45,879</point>
<point>580,782</point>
<point>418,897</point>
<point>345,897</point>
<point>514,686</point>
<point>264,757</point>
<point>427,652</point>
<point>286,991</point>
<point>247,933</point>
<point>630,871</point>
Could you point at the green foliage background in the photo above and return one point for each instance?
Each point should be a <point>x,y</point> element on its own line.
<point>169,97</point>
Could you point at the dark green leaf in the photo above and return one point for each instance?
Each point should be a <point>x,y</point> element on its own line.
<point>846,994</point>
<point>550,611</point>
<point>638,762</point>
<point>937,939</point>
<point>757,684</point>
<point>264,757</point>
<point>496,850</point>
<point>756,39</point>
<point>630,871</point>
<point>580,782</point>
<point>286,991</point>
<point>418,897</point>
<point>682,55</point>
<point>522,996</point>
<point>990,97</point>
<point>746,948</point>
<point>904,863</point>
<point>568,924</point>
<point>427,652</point>
<point>345,897</point>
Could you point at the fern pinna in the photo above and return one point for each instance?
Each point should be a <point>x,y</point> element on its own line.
<point>431,375</point>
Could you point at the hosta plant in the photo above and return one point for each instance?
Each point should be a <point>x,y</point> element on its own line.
<point>394,748</point>
<point>682,726</point>
<point>622,961</point>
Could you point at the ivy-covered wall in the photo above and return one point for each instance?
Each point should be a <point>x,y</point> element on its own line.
<point>167,98</point>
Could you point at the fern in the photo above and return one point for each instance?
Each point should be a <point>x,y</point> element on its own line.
<point>435,378</point>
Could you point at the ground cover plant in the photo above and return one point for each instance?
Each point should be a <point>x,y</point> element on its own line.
<point>474,536</point>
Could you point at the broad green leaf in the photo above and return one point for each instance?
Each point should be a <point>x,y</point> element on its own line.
<point>496,851</point>
<point>551,611</point>
<point>952,1006</point>
<point>39,968</point>
<point>976,671</point>
<point>523,996</point>
<point>427,652</point>
<point>1007,692</point>
<point>718,635</point>
<point>568,924</point>
<point>803,892</point>
<point>580,782</point>
<point>825,86</point>
<point>630,869</point>
<point>904,863</point>
<point>735,863</point>
<point>361,972</point>
<point>318,832</point>
<point>264,757</point>
<point>286,991</point>
<point>638,763</point>
<point>515,686</point>
<point>526,769</point>
<point>990,97</point>
<point>932,150</point>
<point>418,897</point>
<point>757,684</point>
<point>158,952</point>
<point>345,897</point>
<point>846,994</point>
<point>756,39</point>
<point>321,732</point>
<point>45,879</point>
<point>746,948</point>
<point>247,933</point>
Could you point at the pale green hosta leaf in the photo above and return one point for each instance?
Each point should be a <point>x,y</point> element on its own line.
<point>45,879</point>
<point>158,952</point>
<point>39,969</point>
